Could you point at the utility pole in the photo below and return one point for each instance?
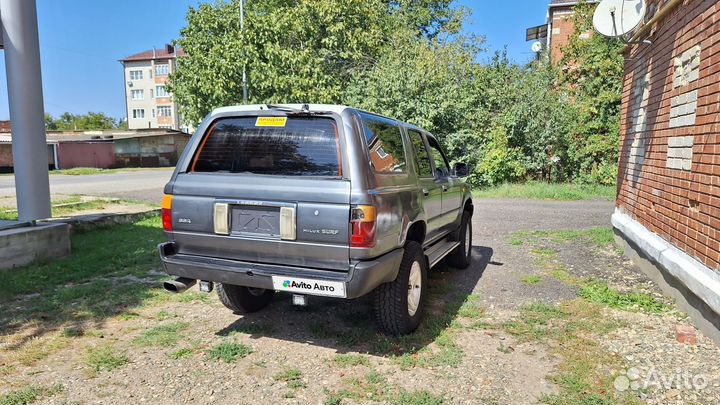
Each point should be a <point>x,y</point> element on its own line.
<point>24,84</point>
<point>244,77</point>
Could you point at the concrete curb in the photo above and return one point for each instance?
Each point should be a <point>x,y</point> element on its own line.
<point>698,278</point>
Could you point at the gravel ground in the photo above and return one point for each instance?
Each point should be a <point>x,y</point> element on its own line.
<point>492,366</point>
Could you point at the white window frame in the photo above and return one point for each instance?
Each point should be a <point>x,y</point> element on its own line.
<point>136,74</point>
<point>162,108</point>
<point>138,113</point>
<point>164,72</point>
<point>164,91</point>
<point>137,91</point>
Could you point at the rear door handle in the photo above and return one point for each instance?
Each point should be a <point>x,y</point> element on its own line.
<point>426,192</point>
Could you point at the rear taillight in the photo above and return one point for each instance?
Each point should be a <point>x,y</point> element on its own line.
<point>362,223</point>
<point>167,213</point>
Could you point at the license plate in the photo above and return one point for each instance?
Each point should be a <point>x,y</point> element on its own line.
<point>308,286</point>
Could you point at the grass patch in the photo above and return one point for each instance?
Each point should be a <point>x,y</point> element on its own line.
<point>570,332</point>
<point>530,279</point>
<point>84,171</point>
<point>600,292</point>
<point>538,190</point>
<point>229,352</point>
<point>29,395</point>
<point>471,307</point>
<point>291,376</point>
<point>180,354</point>
<point>417,398</point>
<point>65,207</point>
<point>351,360</point>
<point>163,335</point>
<point>254,328</point>
<point>95,253</point>
<point>40,348</point>
<point>105,358</point>
<point>599,237</point>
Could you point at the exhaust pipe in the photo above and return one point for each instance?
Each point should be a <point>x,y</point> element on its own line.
<point>179,285</point>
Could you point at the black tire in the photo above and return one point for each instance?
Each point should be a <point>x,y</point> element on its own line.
<point>391,299</point>
<point>243,299</point>
<point>462,255</point>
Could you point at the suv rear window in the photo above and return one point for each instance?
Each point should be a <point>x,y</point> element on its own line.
<point>304,146</point>
<point>385,144</point>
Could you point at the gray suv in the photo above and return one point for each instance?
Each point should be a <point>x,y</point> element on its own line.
<point>314,200</point>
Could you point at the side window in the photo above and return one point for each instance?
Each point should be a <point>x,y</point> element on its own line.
<point>385,143</point>
<point>441,165</point>
<point>421,153</point>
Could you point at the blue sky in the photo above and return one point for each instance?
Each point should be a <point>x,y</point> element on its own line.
<point>82,40</point>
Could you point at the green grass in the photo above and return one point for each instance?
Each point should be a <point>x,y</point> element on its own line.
<point>599,237</point>
<point>29,395</point>
<point>117,250</point>
<point>291,376</point>
<point>351,360</point>
<point>538,190</point>
<point>569,331</point>
<point>471,308</point>
<point>417,398</point>
<point>600,292</point>
<point>530,279</point>
<point>181,353</point>
<point>65,207</point>
<point>162,335</point>
<point>105,358</point>
<point>229,352</point>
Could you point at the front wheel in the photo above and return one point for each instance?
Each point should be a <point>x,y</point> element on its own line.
<point>244,299</point>
<point>462,255</point>
<point>400,304</point>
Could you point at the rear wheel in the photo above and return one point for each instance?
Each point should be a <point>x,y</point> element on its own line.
<point>461,256</point>
<point>400,304</point>
<point>244,299</point>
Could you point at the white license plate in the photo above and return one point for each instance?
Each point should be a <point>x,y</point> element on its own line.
<point>309,287</point>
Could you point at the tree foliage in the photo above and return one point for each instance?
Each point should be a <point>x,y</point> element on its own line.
<point>409,59</point>
<point>81,122</point>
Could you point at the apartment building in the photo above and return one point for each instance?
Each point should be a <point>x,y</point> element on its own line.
<point>148,102</point>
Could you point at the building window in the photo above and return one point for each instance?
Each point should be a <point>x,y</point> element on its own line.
<point>164,111</point>
<point>161,70</point>
<point>137,94</point>
<point>136,75</point>
<point>138,113</point>
<point>160,91</point>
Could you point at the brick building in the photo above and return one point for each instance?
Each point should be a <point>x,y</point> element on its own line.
<point>559,27</point>
<point>668,206</point>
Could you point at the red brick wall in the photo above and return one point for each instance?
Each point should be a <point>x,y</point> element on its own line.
<point>680,205</point>
<point>562,29</point>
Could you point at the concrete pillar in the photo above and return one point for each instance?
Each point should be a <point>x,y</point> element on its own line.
<point>24,82</point>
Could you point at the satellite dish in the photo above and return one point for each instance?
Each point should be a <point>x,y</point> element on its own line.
<point>537,46</point>
<point>614,18</point>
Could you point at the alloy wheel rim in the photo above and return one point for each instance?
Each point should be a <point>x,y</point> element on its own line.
<point>414,288</point>
<point>468,241</point>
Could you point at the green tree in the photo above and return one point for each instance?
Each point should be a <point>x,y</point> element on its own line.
<point>594,79</point>
<point>71,122</point>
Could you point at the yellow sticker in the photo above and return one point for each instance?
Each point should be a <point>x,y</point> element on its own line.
<point>270,121</point>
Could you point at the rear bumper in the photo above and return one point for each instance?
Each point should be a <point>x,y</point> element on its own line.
<point>361,278</point>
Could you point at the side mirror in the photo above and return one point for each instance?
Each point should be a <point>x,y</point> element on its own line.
<point>461,169</point>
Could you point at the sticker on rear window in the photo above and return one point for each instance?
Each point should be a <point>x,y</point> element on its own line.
<point>270,121</point>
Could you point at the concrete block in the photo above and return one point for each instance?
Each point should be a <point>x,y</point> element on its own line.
<point>689,119</point>
<point>692,96</point>
<point>687,153</point>
<point>673,152</point>
<point>691,107</point>
<point>674,122</point>
<point>686,164</point>
<point>673,163</point>
<point>693,75</point>
<point>688,140</point>
<point>22,246</point>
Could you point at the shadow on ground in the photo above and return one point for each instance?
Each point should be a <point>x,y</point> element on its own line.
<point>349,325</point>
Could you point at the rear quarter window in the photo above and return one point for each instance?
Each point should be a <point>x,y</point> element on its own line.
<point>303,146</point>
<point>384,143</point>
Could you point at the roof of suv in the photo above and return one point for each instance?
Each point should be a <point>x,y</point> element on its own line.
<point>260,107</point>
<point>334,108</point>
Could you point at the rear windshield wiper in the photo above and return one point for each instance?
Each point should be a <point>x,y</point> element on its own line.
<point>305,109</point>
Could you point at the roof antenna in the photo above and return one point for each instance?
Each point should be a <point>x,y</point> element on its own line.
<point>305,107</point>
